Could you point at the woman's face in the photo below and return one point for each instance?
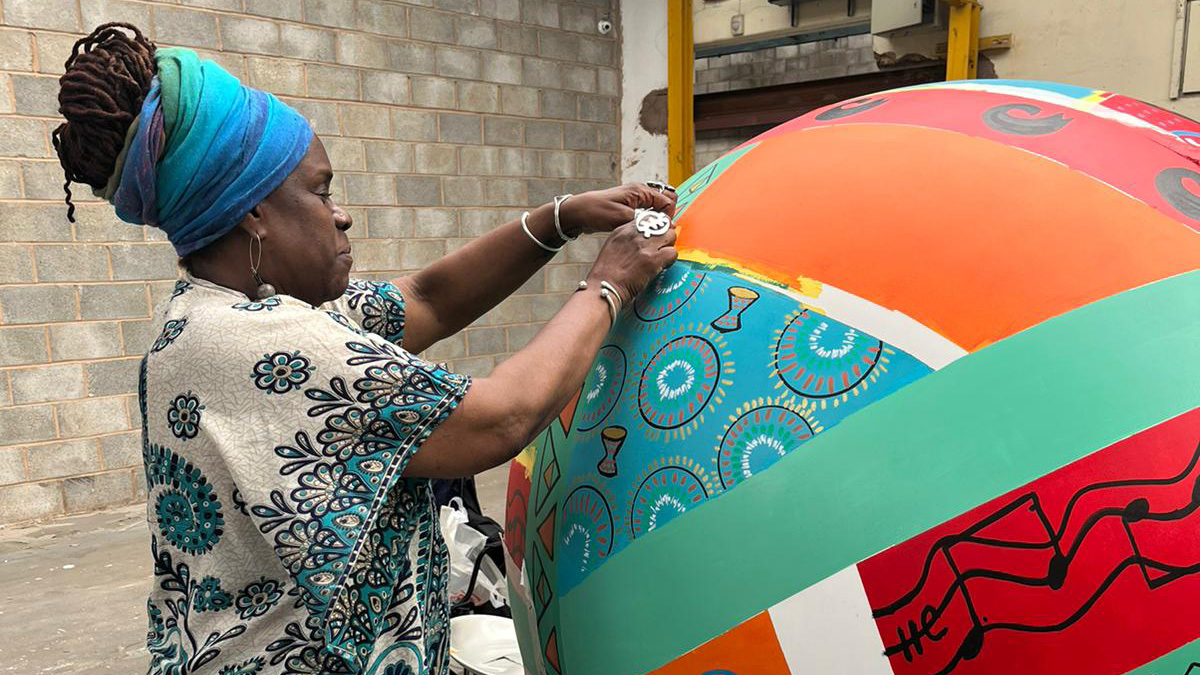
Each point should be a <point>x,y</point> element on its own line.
<point>306,253</point>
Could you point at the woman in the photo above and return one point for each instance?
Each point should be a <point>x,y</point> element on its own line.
<point>289,429</point>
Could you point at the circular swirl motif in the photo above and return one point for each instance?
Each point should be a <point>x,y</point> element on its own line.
<point>757,439</point>
<point>818,357</point>
<point>188,520</point>
<point>664,495</point>
<point>668,292</point>
<point>602,388</point>
<point>188,511</point>
<point>586,529</point>
<point>678,382</point>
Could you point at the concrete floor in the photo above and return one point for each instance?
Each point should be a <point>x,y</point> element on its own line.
<point>73,590</point>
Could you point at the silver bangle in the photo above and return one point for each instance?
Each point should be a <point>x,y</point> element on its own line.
<point>605,286</point>
<point>607,293</point>
<point>525,226</point>
<point>558,202</point>
<point>612,305</point>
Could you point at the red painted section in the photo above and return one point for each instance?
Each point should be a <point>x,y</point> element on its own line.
<point>1094,568</point>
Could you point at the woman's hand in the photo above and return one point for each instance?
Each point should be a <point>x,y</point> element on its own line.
<point>630,260</point>
<point>606,210</point>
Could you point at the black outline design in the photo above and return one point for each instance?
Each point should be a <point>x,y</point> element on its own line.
<point>735,315</point>
<point>768,406</point>
<point>646,299</point>
<point>701,481</point>
<point>612,525</point>
<point>805,315</point>
<point>642,379</point>
<point>688,195</point>
<point>605,439</point>
<point>972,644</point>
<point>581,407</point>
<point>539,488</point>
<point>539,573</point>
<point>515,528</point>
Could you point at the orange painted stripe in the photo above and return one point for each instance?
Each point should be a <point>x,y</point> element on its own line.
<point>750,648</point>
<point>972,238</point>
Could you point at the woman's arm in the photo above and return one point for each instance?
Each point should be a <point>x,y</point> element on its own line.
<point>501,413</point>
<point>457,289</point>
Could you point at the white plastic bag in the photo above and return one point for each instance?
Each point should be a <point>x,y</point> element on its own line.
<point>465,543</point>
<point>484,645</point>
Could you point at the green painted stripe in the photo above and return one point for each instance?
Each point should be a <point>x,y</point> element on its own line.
<point>1005,415</point>
<point>1173,663</point>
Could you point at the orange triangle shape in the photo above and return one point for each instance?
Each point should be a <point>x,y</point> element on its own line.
<point>568,413</point>
<point>751,647</point>
<point>552,650</point>
<point>546,532</point>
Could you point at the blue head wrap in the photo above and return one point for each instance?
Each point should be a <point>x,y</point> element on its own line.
<point>204,151</point>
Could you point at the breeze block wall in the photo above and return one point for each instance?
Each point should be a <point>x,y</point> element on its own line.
<point>443,118</point>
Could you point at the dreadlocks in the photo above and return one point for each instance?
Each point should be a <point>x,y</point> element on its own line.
<point>107,76</point>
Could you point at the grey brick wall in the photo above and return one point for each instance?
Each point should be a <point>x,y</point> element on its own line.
<point>821,60</point>
<point>444,118</point>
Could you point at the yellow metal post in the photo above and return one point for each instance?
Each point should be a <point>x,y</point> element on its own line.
<point>962,51</point>
<point>681,128</point>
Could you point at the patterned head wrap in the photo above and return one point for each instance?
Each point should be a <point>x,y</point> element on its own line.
<point>203,151</point>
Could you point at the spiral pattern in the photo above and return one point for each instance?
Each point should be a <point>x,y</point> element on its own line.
<point>188,511</point>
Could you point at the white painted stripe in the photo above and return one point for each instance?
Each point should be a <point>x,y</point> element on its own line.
<point>895,328</point>
<point>827,628</point>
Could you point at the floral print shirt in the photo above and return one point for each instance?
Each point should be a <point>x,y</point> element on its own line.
<point>285,538</point>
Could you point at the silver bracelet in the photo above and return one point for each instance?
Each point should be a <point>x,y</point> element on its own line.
<point>525,226</point>
<point>605,286</point>
<point>611,297</point>
<point>558,202</point>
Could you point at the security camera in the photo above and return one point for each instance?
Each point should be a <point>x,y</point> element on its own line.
<point>605,26</point>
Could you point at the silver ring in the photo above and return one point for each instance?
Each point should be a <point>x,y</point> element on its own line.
<point>660,186</point>
<point>651,223</point>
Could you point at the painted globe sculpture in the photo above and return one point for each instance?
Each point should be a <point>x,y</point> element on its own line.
<point>919,397</point>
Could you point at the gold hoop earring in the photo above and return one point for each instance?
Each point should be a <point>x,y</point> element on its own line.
<point>264,290</point>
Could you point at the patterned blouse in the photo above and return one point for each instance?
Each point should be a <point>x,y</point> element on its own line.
<point>284,537</point>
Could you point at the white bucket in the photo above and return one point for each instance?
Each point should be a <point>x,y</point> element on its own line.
<point>484,645</point>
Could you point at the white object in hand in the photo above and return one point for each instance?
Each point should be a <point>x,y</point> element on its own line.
<point>651,223</point>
